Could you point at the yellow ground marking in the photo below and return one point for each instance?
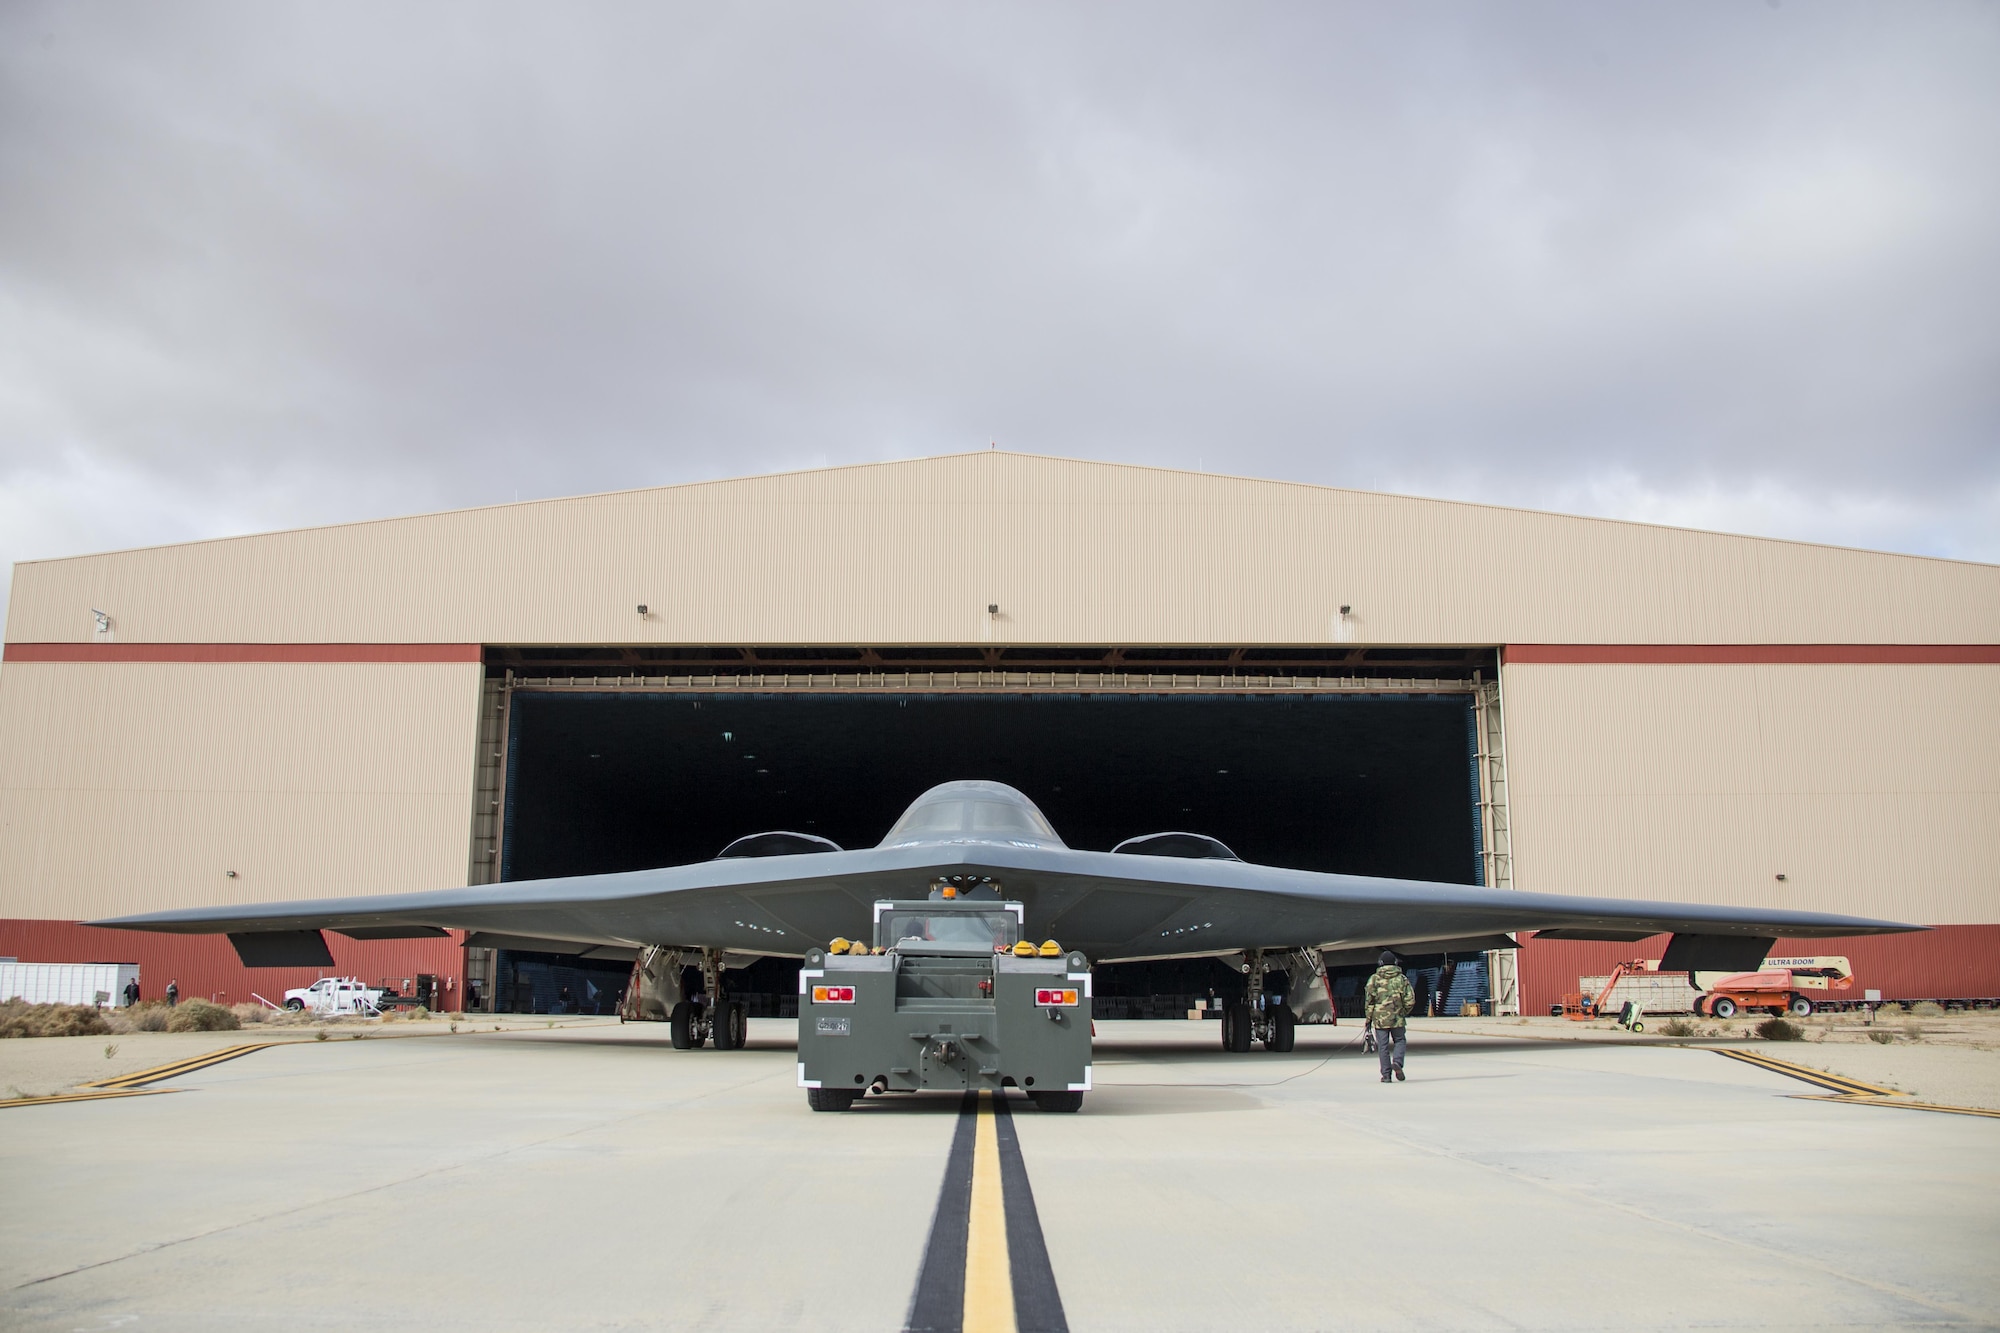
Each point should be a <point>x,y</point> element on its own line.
<point>187,1066</point>
<point>1840,1083</point>
<point>1849,1090</point>
<point>84,1096</point>
<point>1903,1101</point>
<point>989,1277</point>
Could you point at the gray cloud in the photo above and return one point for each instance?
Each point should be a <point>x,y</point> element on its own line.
<point>1724,264</point>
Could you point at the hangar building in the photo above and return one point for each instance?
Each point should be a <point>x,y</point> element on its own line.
<point>1322,678</point>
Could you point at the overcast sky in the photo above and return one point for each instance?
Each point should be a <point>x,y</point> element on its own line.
<point>1726,265</point>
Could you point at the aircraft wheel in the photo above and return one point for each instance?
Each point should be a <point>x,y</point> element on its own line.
<point>829,1099</point>
<point>1283,1034</point>
<point>1058,1101</point>
<point>1236,1027</point>
<point>732,1026</point>
<point>1722,1007</point>
<point>680,1026</point>
<point>1801,1007</point>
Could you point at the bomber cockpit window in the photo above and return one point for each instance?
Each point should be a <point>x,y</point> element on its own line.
<point>973,816</point>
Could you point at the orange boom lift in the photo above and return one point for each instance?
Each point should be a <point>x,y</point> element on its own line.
<point>1782,985</point>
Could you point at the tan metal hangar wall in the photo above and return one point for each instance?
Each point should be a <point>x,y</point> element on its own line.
<point>129,787</point>
<point>1071,552</point>
<point>1873,789</point>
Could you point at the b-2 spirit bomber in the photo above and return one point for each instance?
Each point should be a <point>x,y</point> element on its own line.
<point>1164,895</point>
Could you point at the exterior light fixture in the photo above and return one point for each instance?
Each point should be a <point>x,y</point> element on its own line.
<point>1347,610</point>
<point>993,608</point>
<point>642,610</point>
<point>103,621</point>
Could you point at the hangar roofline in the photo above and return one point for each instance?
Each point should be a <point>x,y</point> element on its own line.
<point>1316,487</point>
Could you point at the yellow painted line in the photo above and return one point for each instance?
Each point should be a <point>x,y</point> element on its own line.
<point>186,1066</point>
<point>1851,1091</point>
<point>1906,1104</point>
<point>989,1277</point>
<point>84,1096</point>
<point>1838,1082</point>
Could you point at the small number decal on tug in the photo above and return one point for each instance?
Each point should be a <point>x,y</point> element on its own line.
<point>835,994</point>
<point>1046,997</point>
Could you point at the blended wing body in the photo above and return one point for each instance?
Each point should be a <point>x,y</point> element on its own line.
<point>1113,906</point>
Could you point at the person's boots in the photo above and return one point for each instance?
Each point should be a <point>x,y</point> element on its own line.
<point>1399,1074</point>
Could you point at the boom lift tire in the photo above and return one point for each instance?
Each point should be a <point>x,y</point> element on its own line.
<point>1722,1007</point>
<point>830,1099</point>
<point>680,1026</point>
<point>1236,1028</point>
<point>1801,1007</point>
<point>1058,1101</point>
<point>1283,1032</point>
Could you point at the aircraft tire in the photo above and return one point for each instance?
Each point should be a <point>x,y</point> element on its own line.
<point>733,1024</point>
<point>1722,1007</point>
<point>1236,1028</point>
<point>1283,1031</point>
<point>680,1026</point>
<point>829,1099</point>
<point>1058,1101</point>
<point>1801,1007</point>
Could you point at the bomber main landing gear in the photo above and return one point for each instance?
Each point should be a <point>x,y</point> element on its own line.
<point>715,1018</point>
<point>1245,1024</point>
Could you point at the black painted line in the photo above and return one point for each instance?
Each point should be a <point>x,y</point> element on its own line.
<point>938,1303</point>
<point>1037,1304</point>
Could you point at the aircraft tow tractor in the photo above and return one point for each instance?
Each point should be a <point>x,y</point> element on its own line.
<point>949,997</point>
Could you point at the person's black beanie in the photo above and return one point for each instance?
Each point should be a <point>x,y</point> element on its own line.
<point>1388,958</point>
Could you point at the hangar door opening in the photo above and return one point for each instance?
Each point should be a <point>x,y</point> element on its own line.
<point>1365,783</point>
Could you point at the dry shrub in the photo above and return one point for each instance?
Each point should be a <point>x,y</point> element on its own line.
<point>1927,1009</point>
<point>1914,1031</point>
<point>1889,1010</point>
<point>249,1012</point>
<point>1679,1027</point>
<point>145,1016</point>
<point>18,1018</point>
<point>1777,1029</point>
<point>1881,1038</point>
<point>202,1016</point>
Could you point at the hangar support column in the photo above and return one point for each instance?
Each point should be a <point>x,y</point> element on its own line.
<point>489,804</point>
<point>1496,841</point>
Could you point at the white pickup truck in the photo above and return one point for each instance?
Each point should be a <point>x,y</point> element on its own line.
<point>336,995</point>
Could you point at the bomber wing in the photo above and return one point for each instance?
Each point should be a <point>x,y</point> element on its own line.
<point>1112,906</point>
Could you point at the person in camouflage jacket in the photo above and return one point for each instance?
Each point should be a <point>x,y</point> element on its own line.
<point>1390,998</point>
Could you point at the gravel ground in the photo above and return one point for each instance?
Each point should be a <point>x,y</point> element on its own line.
<point>1953,1060</point>
<point>44,1066</point>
